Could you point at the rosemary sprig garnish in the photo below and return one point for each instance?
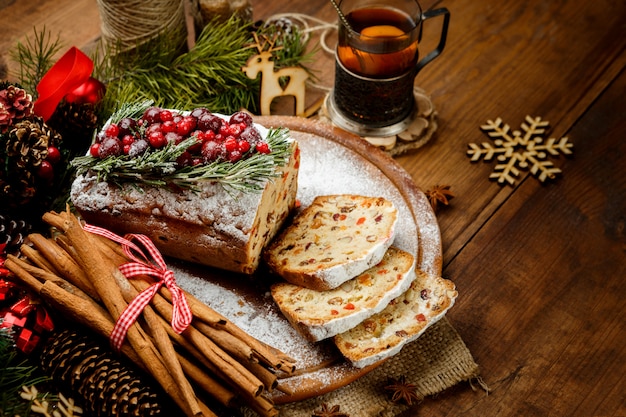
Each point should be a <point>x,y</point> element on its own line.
<point>159,168</point>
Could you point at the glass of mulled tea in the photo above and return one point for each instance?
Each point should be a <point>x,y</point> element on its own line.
<point>376,62</point>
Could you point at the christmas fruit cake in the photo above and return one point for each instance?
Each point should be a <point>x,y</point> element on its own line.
<point>334,239</point>
<point>402,321</point>
<point>322,314</point>
<point>205,188</point>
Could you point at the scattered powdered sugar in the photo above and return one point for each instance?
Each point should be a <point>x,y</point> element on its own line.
<point>257,315</point>
<point>327,167</point>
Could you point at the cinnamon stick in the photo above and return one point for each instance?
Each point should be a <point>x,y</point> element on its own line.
<point>62,262</point>
<point>104,277</point>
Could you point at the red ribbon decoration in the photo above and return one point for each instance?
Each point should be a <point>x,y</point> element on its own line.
<point>152,265</point>
<point>68,73</point>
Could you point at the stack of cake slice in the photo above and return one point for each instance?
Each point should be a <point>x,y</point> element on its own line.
<point>346,280</point>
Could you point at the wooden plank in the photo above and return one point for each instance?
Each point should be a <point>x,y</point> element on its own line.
<point>506,60</point>
<point>541,302</point>
<point>77,23</point>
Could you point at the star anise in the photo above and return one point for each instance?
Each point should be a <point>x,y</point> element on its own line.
<point>440,194</point>
<point>403,391</point>
<point>329,411</point>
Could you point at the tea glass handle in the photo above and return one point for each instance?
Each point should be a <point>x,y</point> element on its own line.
<point>442,41</point>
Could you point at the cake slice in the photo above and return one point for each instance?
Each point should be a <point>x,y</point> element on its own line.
<point>402,321</point>
<point>319,315</point>
<point>333,240</point>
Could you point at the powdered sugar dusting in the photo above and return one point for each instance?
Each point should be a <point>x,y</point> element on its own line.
<point>327,167</point>
<point>255,314</point>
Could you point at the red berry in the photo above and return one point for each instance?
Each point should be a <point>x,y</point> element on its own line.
<point>200,111</point>
<point>243,146</point>
<point>100,136</point>
<point>263,147</point>
<point>45,171</point>
<point>168,126</point>
<point>196,148</point>
<point>151,115</point>
<point>138,148</point>
<point>186,125</point>
<point>126,149</point>
<point>94,150</point>
<point>251,134</point>
<point>230,143</point>
<point>184,159</point>
<point>209,121</point>
<point>166,116</point>
<point>128,140</point>
<point>157,139</point>
<point>211,151</point>
<point>234,156</point>
<point>241,117</point>
<point>198,134</point>
<point>173,137</point>
<point>110,147</point>
<point>127,126</point>
<point>112,130</point>
<point>209,135</point>
<point>54,155</point>
<point>155,127</point>
<point>224,129</point>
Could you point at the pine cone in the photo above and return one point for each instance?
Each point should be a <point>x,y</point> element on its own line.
<point>28,142</point>
<point>26,146</point>
<point>106,386</point>
<point>15,104</point>
<point>76,124</point>
<point>13,233</point>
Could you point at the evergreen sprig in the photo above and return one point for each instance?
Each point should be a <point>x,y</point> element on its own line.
<point>158,168</point>
<point>16,372</point>
<point>35,58</point>
<point>208,75</point>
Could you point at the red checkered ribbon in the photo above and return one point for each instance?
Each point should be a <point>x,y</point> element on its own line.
<point>152,265</point>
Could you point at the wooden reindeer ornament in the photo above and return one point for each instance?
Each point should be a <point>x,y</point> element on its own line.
<point>294,78</point>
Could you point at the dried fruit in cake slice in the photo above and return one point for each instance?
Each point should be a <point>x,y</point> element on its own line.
<point>402,321</point>
<point>333,240</point>
<point>322,314</point>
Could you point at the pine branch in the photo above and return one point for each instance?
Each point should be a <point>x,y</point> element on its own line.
<point>16,372</point>
<point>35,58</point>
<point>209,75</point>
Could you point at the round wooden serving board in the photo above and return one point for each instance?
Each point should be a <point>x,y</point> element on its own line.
<point>332,162</point>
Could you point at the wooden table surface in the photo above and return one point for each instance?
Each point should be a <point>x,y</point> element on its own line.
<point>540,268</point>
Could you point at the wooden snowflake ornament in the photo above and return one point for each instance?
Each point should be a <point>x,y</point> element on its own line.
<point>520,149</point>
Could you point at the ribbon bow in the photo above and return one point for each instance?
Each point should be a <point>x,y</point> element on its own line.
<point>69,72</point>
<point>152,265</point>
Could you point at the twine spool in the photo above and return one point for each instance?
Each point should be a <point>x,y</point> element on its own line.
<point>129,23</point>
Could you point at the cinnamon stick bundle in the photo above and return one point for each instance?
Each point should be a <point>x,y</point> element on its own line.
<point>77,273</point>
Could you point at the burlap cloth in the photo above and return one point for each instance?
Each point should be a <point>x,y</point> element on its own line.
<point>434,362</point>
